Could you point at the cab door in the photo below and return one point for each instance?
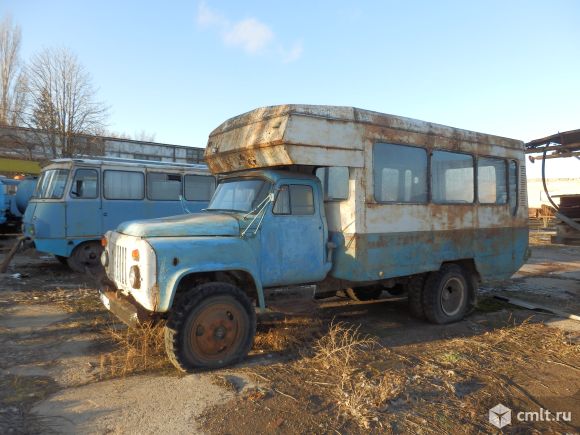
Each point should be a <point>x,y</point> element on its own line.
<point>292,238</point>
<point>83,205</point>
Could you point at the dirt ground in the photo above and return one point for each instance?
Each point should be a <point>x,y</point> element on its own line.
<point>66,366</point>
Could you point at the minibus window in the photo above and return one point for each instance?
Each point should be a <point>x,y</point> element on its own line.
<point>51,184</point>
<point>513,186</point>
<point>452,178</point>
<point>123,185</point>
<point>491,181</point>
<point>85,184</point>
<point>163,187</point>
<point>199,187</point>
<point>399,173</point>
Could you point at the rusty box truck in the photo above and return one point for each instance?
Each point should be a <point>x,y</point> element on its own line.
<point>333,198</point>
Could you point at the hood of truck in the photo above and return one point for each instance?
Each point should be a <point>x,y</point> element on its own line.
<point>197,224</point>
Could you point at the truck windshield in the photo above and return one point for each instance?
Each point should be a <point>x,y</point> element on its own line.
<point>51,184</point>
<point>241,195</point>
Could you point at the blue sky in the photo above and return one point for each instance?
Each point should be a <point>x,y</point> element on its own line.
<point>179,68</point>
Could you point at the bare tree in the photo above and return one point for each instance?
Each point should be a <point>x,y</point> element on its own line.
<point>12,78</point>
<point>144,136</point>
<point>64,105</point>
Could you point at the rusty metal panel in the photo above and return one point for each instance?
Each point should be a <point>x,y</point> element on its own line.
<point>331,136</point>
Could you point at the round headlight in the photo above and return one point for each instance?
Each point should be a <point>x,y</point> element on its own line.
<point>135,277</point>
<point>105,259</point>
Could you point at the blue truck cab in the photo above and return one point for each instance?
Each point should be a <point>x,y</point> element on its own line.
<point>323,198</point>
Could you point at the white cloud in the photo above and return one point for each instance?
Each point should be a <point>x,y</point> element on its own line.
<point>251,35</point>
<point>207,17</point>
<point>293,54</point>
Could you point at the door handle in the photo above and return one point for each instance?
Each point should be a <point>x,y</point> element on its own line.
<point>105,213</point>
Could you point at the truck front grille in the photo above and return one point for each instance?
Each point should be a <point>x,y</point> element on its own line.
<point>120,261</point>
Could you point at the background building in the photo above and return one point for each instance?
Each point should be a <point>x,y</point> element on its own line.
<point>24,149</point>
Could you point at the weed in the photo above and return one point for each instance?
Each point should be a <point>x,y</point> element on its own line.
<point>138,350</point>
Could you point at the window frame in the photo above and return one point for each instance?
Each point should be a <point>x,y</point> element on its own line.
<point>506,163</point>
<point>314,207</point>
<point>97,190</point>
<point>125,199</point>
<point>427,175</point>
<point>325,184</point>
<point>474,166</point>
<point>198,175</point>
<point>181,190</point>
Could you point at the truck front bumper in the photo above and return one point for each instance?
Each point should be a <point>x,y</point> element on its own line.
<point>124,307</point>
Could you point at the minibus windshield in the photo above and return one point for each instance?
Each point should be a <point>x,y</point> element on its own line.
<point>241,195</point>
<point>51,184</point>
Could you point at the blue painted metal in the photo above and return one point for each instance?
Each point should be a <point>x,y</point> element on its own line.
<point>24,193</point>
<point>199,224</point>
<point>497,253</point>
<point>284,250</point>
<point>58,225</point>
<point>202,254</point>
<point>9,212</point>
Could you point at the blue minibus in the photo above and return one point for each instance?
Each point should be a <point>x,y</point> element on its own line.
<point>77,200</point>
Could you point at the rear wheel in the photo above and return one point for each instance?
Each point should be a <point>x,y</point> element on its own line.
<point>364,293</point>
<point>86,255</point>
<point>446,295</point>
<point>415,296</point>
<point>213,327</point>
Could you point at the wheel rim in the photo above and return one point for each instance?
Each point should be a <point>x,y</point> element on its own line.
<point>90,254</point>
<point>452,296</point>
<point>218,331</point>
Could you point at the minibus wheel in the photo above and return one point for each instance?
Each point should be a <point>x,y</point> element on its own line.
<point>87,254</point>
<point>446,295</point>
<point>213,326</point>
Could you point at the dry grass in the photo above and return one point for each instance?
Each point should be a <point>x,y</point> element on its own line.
<point>342,353</point>
<point>288,335</point>
<point>438,387</point>
<point>137,350</point>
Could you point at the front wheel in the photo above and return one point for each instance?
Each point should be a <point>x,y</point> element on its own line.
<point>446,295</point>
<point>214,327</point>
<point>86,255</point>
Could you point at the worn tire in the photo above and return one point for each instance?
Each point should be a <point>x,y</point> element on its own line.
<point>200,310</point>
<point>364,293</point>
<point>86,255</point>
<point>415,296</point>
<point>446,295</point>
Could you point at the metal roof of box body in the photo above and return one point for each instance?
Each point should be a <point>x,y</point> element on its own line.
<point>328,136</point>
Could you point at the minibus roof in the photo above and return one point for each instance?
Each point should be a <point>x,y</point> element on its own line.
<point>98,161</point>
